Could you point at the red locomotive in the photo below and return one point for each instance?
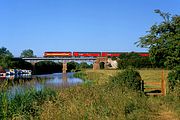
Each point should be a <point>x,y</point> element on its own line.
<point>57,54</point>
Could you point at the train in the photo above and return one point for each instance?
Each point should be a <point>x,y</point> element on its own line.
<point>90,54</point>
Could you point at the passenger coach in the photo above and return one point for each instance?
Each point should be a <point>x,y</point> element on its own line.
<point>86,54</point>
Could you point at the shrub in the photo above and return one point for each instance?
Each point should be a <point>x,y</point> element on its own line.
<point>128,78</point>
<point>174,77</point>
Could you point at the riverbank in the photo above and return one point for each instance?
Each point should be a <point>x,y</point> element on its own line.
<point>101,100</point>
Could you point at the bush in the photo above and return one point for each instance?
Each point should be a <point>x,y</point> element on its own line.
<point>174,77</point>
<point>128,78</point>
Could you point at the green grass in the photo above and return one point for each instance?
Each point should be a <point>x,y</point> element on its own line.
<point>101,76</point>
<point>153,75</point>
<point>103,101</point>
<point>100,100</point>
<point>25,105</point>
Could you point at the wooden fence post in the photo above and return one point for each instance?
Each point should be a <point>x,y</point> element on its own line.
<point>142,85</point>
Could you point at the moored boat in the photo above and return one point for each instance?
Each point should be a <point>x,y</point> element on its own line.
<point>2,73</point>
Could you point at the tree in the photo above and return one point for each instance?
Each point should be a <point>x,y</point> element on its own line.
<point>4,52</point>
<point>27,53</point>
<point>47,67</point>
<point>83,65</point>
<point>72,66</point>
<point>21,64</point>
<point>5,57</point>
<point>163,41</point>
<point>133,60</point>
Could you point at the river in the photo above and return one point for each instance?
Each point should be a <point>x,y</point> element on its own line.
<point>19,84</point>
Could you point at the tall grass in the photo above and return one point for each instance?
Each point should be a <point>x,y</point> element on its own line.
<point>92,102</point>
<point>106,101</point>
<point>25,105</point>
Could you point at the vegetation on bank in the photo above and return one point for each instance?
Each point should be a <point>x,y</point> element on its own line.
<point>109,100</point>
<point>105,98</point>
<point>27,105</point>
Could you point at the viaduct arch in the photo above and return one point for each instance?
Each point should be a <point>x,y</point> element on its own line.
<point>95,61</point>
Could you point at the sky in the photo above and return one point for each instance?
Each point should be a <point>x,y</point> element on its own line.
<point>78,25</point>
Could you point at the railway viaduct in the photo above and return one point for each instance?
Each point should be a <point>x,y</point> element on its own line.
<point>64,60</point>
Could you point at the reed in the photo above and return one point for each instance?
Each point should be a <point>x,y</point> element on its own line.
<point>25,105</point>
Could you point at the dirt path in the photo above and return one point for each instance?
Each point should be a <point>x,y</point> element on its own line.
<point>167,116</point>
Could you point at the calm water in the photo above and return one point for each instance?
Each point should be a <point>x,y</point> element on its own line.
<point>20,84</point>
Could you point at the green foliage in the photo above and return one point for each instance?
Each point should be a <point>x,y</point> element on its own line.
<point>174,78</point>
<point>5,61</point>
<point>27,105</point>
<point>114,58</point>
<point>47,67</point>
<point>163,41</point>
<point>5,57</point>
<point>81,75</point>
<point>84,77</point>
<point>133,60</point>
<point>5,52</point>
<point>21,64</point>
<point>27,53</point>
<point>72,66</point>
<point>84,65</point>
<point>128,78</point>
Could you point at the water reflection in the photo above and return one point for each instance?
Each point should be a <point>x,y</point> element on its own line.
<point>64,76</point>
<point>19,84</point>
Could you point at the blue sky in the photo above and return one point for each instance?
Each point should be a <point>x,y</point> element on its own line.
<point>78,25</point>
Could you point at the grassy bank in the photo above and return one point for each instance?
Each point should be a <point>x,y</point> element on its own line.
<point>109,102</point>
<point>102,76</point>
<point>101,99</point>
<point>27,105</point>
